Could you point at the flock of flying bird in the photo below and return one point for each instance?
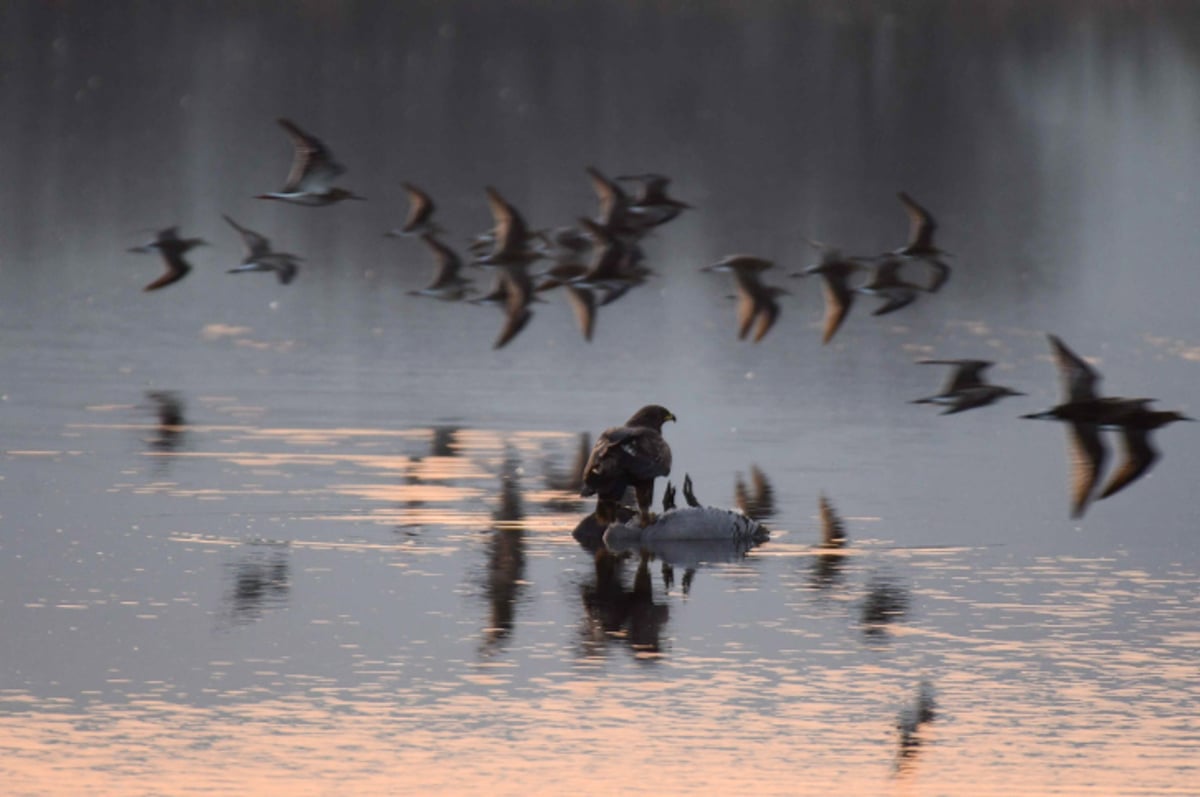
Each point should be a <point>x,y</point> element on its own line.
<point>601,259</point>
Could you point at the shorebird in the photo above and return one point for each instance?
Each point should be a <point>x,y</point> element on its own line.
<point>920,244</point>
<point>966,388</point>
<point>259,256</point>
<point>652,207</point>
<point>313,171</point>
<point>447,284</point>
<point>756,301</point>
<point>1086,413</point>
<point>420,215</point>
<point>518,293</point>
<point>835,270</point>
<point>632,455</point>
<point>172,248</point>
<point>583,305</point>
<point>886,282</point>
<point>510,236</point>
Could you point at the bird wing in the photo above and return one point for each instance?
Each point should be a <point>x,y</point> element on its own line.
<point>838,298</point>
<point>509,228</point>
<point>921,224</point>
<point>177,269</point>
<point>768,311</point>
<point>833,530</point>
<point>583,305</point>
<point>1087,454</point>
<point>255,245</point>
<point>313,167</point>
<point>446,264</point>
<point>420,207</point>
<point>613,201</point>
<point>1079,380</point>
<point>746,310</point>
<point>1139,456</point>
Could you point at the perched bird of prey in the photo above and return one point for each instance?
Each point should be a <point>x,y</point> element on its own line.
<point>632,455</point>
<point>172,248</point>
<point>313,172</point>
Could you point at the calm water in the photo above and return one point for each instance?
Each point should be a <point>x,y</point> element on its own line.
<point>318,539</point>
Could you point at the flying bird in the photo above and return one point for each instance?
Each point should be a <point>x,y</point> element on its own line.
<point>172,248</point>
<point>920,244</point>
<point>632,455</point>
<point>652,206</point>
<point>420,215</point>
<point>965,388</point>
<point>756,300</point>
<point>313,172</point>
<point>1086,414</point>
<point>447,283</point>
<point>835,271</point>
<point>260,257</point>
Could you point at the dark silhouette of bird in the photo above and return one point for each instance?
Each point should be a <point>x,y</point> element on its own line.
<point>313,172</point>
<point>652,206</point>
<point>1086,413</point>
<point>966,388</point>
<point>260,257</point>
<point>172,248</point>
<point>920,244</point>
<point>632,455</point>
<point>887,283</point>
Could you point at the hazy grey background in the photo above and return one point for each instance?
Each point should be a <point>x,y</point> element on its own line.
<point>1056,144</point>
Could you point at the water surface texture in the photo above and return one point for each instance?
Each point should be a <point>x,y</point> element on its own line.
<point>318,538</point>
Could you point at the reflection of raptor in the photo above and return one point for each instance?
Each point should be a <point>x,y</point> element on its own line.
<point>633,455</point>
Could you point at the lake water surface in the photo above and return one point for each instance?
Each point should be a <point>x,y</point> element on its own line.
<point>318,538</point>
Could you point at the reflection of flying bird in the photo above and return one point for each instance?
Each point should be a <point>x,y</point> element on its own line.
<point>756,500</point>
<point>172,248</point>
<point>1086,413</point>
<point>835,270</point>
<point>259,256</point>
<point>756,300</point>
<point>420,214</point>
<point>966,388</point>
<point>633,455</point>
<point>313,172</point>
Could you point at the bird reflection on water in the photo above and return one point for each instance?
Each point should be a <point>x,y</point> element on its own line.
<point>614,612</point>
<point>909,726</point>
<point>260,579</point>
<point>886,602</point>
<point>504,575</point>
<point>827,566</point>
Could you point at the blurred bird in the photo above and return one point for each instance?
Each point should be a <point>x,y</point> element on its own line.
<point>652,207</point>
<point>756,500</point>
<point>172,248</point>
<point>420,215</point>
<point>756,301</point>
<point>920,244</point>
<point>447,284</point>
<point>259,256</point>
<point>510,236</point>
<point>313,172</point>
<point>886,283</point>
<point>1086,413</point>
<point>965,388</point>
<point>633,455</point>
<point>835,270</point>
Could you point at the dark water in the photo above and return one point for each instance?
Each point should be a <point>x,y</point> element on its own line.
<point>317,538</point>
